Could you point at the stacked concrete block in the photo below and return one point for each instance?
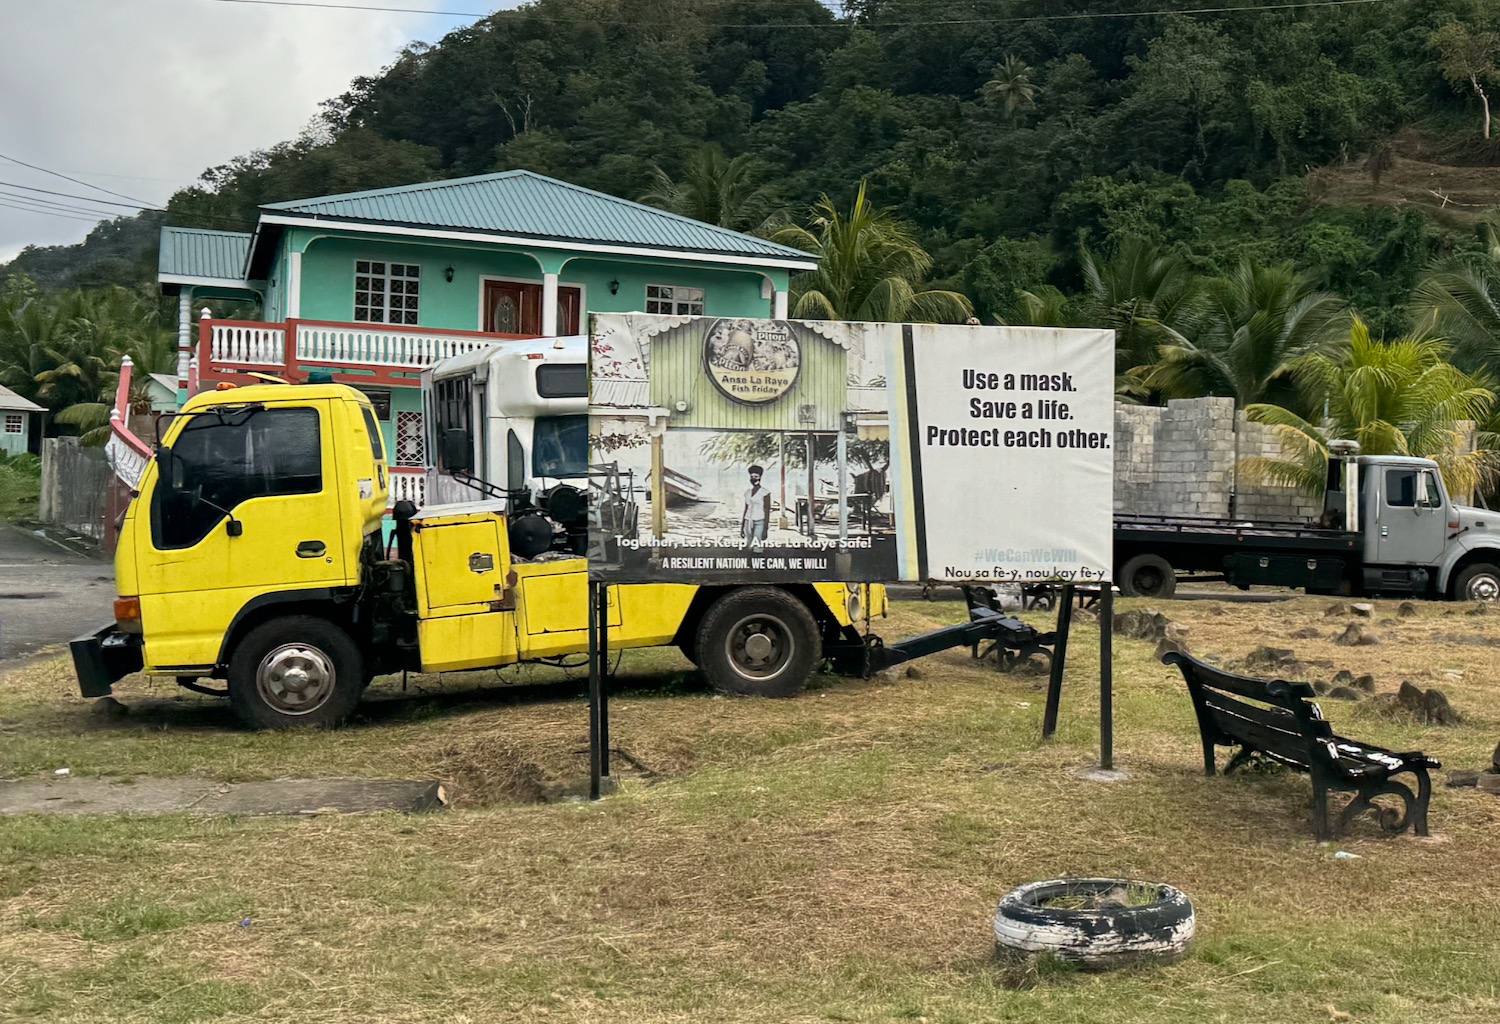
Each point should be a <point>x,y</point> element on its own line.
<point>1181,461</point>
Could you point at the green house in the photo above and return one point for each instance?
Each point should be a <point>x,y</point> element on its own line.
<point>378,285</point>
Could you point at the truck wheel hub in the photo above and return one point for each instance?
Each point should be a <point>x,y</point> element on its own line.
<point>1484,588</point>
<point>759,646</point>
<point>295,679</point>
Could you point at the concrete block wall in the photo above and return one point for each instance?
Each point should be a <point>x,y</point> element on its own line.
<point>1180,460</point>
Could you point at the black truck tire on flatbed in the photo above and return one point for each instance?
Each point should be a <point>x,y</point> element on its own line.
<point>1148,576</point>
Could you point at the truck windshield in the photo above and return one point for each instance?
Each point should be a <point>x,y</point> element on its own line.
<point>560,446</point>
<point>219,461</point>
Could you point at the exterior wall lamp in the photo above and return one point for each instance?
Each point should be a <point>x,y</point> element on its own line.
<point>448,273</point>
<point>614,287</point>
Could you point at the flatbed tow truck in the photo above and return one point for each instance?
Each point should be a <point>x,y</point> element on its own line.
<point>253,553</point>
<point>1389,527</point>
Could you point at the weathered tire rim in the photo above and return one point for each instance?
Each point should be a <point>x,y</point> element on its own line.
<point>1484,587</point>
<point>1100,937</point>
<point>295,679</point>
<point>1148,581</point>
<point>760,646</point>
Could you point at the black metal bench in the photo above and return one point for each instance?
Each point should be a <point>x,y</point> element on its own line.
<point>1286,726</point>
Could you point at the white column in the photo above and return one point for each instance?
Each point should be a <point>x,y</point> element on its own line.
<point>778,305</point>
<point>294,287</point>
<point>549,305</point>
<point>184,339</point>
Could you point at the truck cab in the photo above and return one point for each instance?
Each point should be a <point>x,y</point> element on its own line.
<point>1417,539</point>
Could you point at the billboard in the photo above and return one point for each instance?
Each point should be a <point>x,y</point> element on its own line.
<point>741,450</point>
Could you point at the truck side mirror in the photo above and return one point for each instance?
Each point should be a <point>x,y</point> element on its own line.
<point>456,451</point>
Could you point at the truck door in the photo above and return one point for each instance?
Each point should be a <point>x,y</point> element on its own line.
<point>245,502</point>
<point>1413,519</point>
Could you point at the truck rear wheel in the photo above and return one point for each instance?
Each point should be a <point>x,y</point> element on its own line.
<point>759,642</point>
<point>298,672</point>
<point>1477,582</point>
<point>1148,576</point>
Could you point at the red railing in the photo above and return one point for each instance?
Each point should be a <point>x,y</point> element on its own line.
<point>388,353</point>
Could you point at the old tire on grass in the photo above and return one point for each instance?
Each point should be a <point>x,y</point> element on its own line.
<point>1148,576</point>
<point>759,642</point>
<point>1477,582</point>
<point>1099,938</point>
<point>297,672</point>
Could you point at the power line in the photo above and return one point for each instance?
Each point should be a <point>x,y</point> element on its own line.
<point>76,181</point>
<point>86,199</point>
<point>50,213</point>
<point>51,204</point>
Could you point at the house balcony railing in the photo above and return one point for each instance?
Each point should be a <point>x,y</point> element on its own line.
<point>408,484</point>
<point>227,349</point>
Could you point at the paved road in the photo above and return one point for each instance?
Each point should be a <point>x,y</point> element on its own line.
<point>48,595</point>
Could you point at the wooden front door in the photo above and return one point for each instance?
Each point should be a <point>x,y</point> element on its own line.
<point>515,307</point>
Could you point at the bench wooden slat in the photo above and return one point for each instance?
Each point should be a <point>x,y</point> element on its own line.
<point>1286,725</point>
<point>1276,691</point>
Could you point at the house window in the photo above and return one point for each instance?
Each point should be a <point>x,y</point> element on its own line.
<point>15,422</point>
<point>386,293</point>
<point>674,300</point>
<point>411,439</point>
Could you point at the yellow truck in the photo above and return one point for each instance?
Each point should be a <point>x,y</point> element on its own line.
<point>254,554</point>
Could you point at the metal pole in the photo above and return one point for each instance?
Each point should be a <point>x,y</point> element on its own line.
<point>595,689</point>
<point>1106,675</point>
<point>604,679</point>
<point>1059,658</point>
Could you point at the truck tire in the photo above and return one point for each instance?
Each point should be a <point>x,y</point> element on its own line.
<point>1148,576</point>
<point>759,642</point>
<point>1477,582</point>
<point>297,672</point>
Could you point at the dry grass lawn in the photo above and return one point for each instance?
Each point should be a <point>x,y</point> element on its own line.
<point>834,857</point>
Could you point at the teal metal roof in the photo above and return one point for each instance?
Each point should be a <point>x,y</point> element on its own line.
<point>521,203</point>
<point>206,255</point>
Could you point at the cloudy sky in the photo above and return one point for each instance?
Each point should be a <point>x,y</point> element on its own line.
<point>141,96</point>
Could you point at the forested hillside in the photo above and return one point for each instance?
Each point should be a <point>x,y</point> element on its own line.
<point>1004,132</point>
<point>1222,188</point>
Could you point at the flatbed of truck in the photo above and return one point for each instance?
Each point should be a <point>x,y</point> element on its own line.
<point>1288,535</point>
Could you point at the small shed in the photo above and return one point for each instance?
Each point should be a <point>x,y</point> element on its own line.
<point>16,416</point>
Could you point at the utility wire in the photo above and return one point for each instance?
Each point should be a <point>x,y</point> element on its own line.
<point>75,181</point>
<point>87,199</point>
<point>21,197</point>
<point>50,213</point>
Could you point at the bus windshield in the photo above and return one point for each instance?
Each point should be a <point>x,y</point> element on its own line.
<point>560,446</point>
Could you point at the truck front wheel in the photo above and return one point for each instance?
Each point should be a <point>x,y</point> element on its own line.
<point>760,642</point>
<point>1477,582</point>
<point>1148,576</point>
<point>296,672</point>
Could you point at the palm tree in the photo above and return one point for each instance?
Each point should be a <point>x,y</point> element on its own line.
<point>1397,398</point>
<point>716,190</point>
<point>1010,88</point>
<point>1149,297</point>
<point>1460,301</point>
<point>64,350</point>
<point>870,268</point>
<point>1256,324</point>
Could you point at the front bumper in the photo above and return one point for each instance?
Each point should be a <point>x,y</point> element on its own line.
<point>104,656</point>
